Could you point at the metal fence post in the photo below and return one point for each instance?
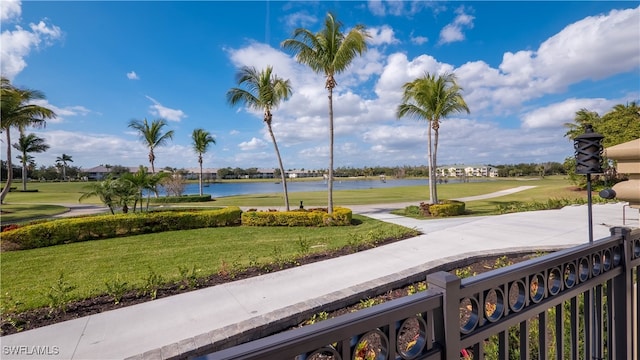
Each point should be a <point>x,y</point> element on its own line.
<point>448,330</point>
<point>622,291</point>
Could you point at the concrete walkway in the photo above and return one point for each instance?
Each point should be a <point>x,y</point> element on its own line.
<point>171,326</point>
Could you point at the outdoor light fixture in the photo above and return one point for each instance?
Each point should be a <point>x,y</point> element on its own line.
<point>588,153</point>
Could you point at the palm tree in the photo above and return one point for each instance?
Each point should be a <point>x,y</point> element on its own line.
<point>201,141</point>
<point>432,99</point>
<point>329,51</point>
<point>63,160</point>
<point>141,181</point>
<point>262,90</point>
<point>18,112</point>
<point>104,190</point>
<point>152,136</point>
<point>582,118</point>
<point>29,144</point>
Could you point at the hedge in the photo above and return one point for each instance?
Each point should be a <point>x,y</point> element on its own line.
<point>311,217</point>
<point>71,230</point>
<point>447,208</point>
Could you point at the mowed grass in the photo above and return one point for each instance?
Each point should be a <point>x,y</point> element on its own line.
<point>21,212</point>
<point>29,275</point>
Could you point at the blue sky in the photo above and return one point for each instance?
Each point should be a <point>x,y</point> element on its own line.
<point>526,68</point>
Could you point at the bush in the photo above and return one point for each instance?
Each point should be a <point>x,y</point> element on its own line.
<point>443,208</point>
<point>86,228</point>
<point>180,199</point>
<point>302,217</point>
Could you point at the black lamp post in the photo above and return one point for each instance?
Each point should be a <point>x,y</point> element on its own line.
<point>588,153</point>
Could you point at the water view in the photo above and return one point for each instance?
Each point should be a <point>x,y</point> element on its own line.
<point>230,189</point>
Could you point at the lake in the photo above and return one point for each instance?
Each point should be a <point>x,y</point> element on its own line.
<point>243,188</point>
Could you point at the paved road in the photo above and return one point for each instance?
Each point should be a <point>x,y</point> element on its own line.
<point>169,326</point>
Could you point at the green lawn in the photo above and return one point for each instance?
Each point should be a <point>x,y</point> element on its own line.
<point>28,276</point>
<point>21,212</point>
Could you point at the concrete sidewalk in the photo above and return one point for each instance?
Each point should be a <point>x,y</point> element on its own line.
<point>171,326</point>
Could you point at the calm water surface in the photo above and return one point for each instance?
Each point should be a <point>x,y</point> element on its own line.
<point>231,189</point>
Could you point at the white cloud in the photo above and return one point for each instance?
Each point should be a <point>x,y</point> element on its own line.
<point>132,76</point>
<point>164,112</point>
<point>252,144</point>
<point>234,132</point>
<point>589,49</point>
<point>418,40</point>
<point>381,35</point>
<point>62,112</point>
<point>396,7</point>
<point>300,19</point>
<point>454,32</point>
<point>17,45</point>
<point>10,10</point>
<point>556,115</point>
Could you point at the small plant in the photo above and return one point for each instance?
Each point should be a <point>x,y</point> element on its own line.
<point>8,313</point>
<point>364,351</point>
<point>116,288</point>
<point>304,246</point>
<point>236,267</point>
<point>355,240</point>
<point>60,294</point>
<point>321,316</point>
<point>367,303</point>
<point>502,261</point>
<point>152,284</point>
<point>416,288</point>
<point>278,257</point>
<point>188,278</point>
<point>465,272</point>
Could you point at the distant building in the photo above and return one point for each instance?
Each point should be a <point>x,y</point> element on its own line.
<point>295,173</point>
<point>469,171</point>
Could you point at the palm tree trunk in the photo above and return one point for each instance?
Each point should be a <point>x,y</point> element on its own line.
<point>330,181</point>
<point>283,178</point>
<point>432,195</point>
<point>200,175</point>
<point>153,172</point>
<point>24,176</point>
<point>7,185</point>
<point>434,165</point>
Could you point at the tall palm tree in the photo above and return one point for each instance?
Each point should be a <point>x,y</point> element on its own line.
<point>329,51</point>
<point>152,136</point>
<point>432,98</point>
<point>19,113</point>
<point>262,90</point>
<point>63,160</point>
<point>201,141</point>
<point>29,144</point>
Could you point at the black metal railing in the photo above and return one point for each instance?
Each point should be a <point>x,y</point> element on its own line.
<point>578,303</point>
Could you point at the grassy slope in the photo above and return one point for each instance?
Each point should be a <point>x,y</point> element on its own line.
<point>28,275</point>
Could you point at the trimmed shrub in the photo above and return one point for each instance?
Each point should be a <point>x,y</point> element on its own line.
<point>71,230</point>
<point>302,217</point>
<point>444,208</point>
